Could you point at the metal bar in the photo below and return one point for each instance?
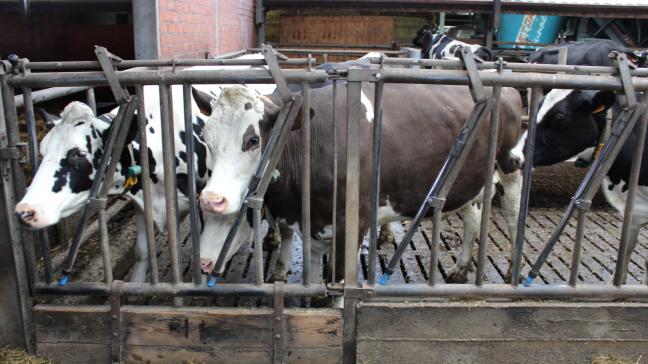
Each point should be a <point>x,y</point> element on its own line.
<point>336,51</point>
<point>216,61</point>
<point>49,94</point>
<point>116,322</point>
<point>105,245</point>
<point>352,198</point>
<point>145,180</point>
<point>182,290</point>
<point>436,240</point>
<point>578,247</point>
<point>194,218</point>
<point>375,183</point>
<point>90,100</point>
<point>488,186</point>
<point>527,172</point>
<point>349,328</point>
<point>9,173</point>
<point>332,257</point>
<point>258,245</point>
<point>623,256</point>
<point>231,54</point>
<point>279,325</point>
<point>120,93</point>
<point>306,184</point>
<point>33,161</point>
<point>170,191</point>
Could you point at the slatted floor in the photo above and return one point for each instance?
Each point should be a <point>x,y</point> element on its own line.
<point>598,258</point>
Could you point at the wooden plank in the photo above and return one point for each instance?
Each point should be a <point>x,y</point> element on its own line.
<point>72,324</point>
<point>314,328</point>
<point>73,353</point>
<point>176,354</point>
<point>298,30</point>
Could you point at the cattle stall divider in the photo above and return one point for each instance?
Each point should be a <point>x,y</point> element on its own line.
<point>132,319</point>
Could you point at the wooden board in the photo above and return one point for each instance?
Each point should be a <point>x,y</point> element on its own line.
<point>318,31</point>
<point>518,332</point>
<point>191,334</point>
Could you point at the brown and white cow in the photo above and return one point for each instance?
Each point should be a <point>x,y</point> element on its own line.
<point>420,124</point>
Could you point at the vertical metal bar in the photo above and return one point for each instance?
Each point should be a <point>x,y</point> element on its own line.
<point>352,198</point>
<point>306,183</point>
<point>488,186</point>
<point>194,219</point>
<point>375,183</point>
<point>170,191</point>
<point>623,255</point>
<point>536,92</point>
<point>145,180</point>
<point>105,245</point>
<point>90,100</point>
<point>12,186</point>
<point>434,249</point>
<point>33,160</point>
<point>258,245</point>
<point>562,55</point>
<point>332,258</point>
<point>578,247</point>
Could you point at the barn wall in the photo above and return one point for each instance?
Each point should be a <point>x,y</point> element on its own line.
<point>193,29</point>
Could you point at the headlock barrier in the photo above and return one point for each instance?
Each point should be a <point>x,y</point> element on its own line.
<point>63,78</point>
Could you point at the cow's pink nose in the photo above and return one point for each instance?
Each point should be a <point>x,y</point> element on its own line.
<point>207,265</point>
<point>25,214</point>
<point>213,202</point>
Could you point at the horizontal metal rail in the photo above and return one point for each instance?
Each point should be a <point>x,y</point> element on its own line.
<point>94,65</point>
<point>181,289</point>
<point>50,94</point>
<point>336,51</point>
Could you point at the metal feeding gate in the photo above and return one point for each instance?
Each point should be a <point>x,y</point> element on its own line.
<point>394,320</point>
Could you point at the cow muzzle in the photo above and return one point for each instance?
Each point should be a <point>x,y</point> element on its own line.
<point>206,265</point>
<point>26,215</point>
<point>213,202</point>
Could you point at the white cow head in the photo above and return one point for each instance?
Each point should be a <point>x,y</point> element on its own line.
<point>71,152</point>
<point>234,132</point>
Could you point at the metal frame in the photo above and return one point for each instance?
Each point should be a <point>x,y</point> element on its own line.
<point>622,79</point>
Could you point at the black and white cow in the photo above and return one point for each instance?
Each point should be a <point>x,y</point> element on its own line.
<point>440,46</point>
<point>594,53</point>
<point>570,121</point>
<point>420,125</point>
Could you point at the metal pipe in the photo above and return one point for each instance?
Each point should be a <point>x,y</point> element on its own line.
<point>306,184</point>
<point>231,54</point>
<point>332,258</point>
<point>145,180</point>
<point>105,246</point>
<point>194,218</point>
<point>182,290</point>
<point>578,247</point>
<point>154,77</point>
<point>94,65</point>
<point>352,198</point>
<point>49,94</point>
<point>488,186</point>
<point>623,255</point>
<point>436,240</point>
<point>527,172</point>
<point>375,183</point>
<point>90,100</point>
<point>338,51</point>
<point>258,245</point>
<point>32,141</point>
<point>170,191</point>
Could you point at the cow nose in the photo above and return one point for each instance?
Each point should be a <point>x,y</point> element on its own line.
<point>206,265</point>
<point>213,202</point>
<point>25,215</point>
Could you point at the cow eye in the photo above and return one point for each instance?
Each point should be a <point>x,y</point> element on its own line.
<point>254,141</point>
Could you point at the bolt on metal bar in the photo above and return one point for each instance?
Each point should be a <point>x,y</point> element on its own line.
<point>624,252</point>
<point>194,218</point>
<point>170,190</point>
<point>578,247</point>
<point>90,100</point>
<point>488,183</point>
<point>332,257</point>
<point>352,198</point>
<point>527,174</point>
<point>375,183</point>
<point>145,181</point>
<point>32,141</point>
<point>306,185</point>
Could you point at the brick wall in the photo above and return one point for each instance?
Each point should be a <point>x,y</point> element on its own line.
<point>193,28</point>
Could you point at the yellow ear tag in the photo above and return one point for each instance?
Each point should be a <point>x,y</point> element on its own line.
<point>130,182</point>
<point>599,109</point>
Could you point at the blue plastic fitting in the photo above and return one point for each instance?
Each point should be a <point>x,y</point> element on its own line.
<point>528,281</point>
<point>384,279</point>
<point>64,279</point>
<point>211,282</point>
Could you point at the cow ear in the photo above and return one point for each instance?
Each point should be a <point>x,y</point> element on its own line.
<point>602,101</point>
<point>272,108</point>
<point>50,119</point>
<point>204,100</point>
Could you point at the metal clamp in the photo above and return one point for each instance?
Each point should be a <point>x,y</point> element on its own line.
<point>583,205</point>
<point>476,85</point>
<point>115,320</point>
<point>436,202</point>
<point>254,202</point>
<point>271,57</point>
<point>105,59</point>
<point>97,203</point>
<point>9,153</point>
<point>279,325</point>
<point>358,293</point>
<point>626,79</point>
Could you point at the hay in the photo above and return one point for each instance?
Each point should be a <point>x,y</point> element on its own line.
<point>9,355</point>
<point>613,360</point>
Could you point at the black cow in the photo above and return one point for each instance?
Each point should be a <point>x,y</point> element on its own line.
<point>440,46</point>
<point>594,53</point>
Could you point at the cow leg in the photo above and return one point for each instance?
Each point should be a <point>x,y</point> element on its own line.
<point>510,191</point>
<point>141,249</point>
<point>386,236</point>
<point>282,267</point>
<point>471,214</point>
